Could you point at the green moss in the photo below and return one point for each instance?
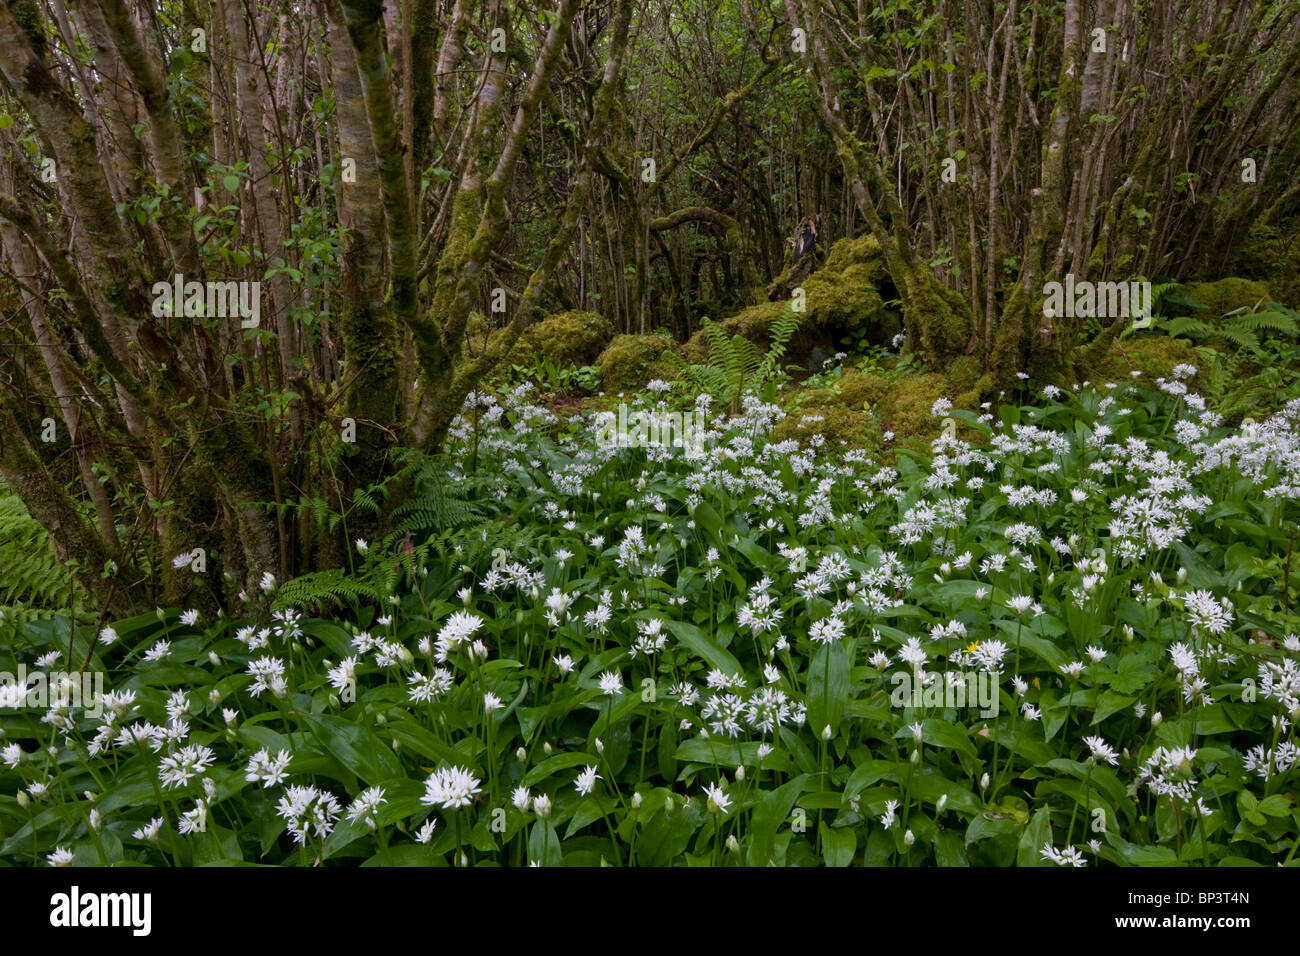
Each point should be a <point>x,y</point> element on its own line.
<point>938,321</point>
<point>632,360</point>
<point>1226,295</point>
<point>1153,355</point>
<point>566,338</point>
<point>840,427</point>
<point>1156,355</point>
<point>906,408</point>
<point>843,294</point>
<point>859,389</point>
<point>817,398</point>
<point>696,350</point>
<point>864,250</point>
<point>477,333</point>
<point>964,373</point>
<point>753,323</point>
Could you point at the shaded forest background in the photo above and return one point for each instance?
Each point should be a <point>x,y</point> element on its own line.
<point>415,184</point>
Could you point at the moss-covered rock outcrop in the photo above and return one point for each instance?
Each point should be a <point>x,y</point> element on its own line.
<point>566,338</point>
<point>906,408</point>
<point>630,361</point>
<point>838,426</point>
<point>861,389</point>
<point>847,292</point>
<point>1227,295</point>
<point>1153,355</point>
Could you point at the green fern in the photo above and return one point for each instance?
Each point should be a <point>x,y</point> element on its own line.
<point>430,507</point>
<point>30,575</point>
<point>735,363</point>
<point>782,332</point>
<point>1241,328</point>
<point>323,589</point>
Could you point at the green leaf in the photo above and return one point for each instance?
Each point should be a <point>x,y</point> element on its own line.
<point>772,812</point>
<point>355,747</point>
<point>1275,806</point>
<point>544,845</point>
<point>943,733</point>
<point>1036,835</point>
<point>828,687</point>
<point>704,647</point>
<point>556,763</point>
<point>838,844</point>
<point>664,837</point>
<point>231,182</point>
<point>1134,673</point>
<point>949,850</point>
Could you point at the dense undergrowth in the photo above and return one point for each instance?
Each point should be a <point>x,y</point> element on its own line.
<point>676,655</point>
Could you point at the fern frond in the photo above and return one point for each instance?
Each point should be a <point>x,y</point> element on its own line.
<point>1187,325</point>
<point>1270,321</point>
<point>783,331</point>
<point>1240,335</point>
<point>323,589</point>
<point>29,572</point>
<point>430,507</point>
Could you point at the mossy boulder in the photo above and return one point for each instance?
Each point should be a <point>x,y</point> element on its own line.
<point>905,409</point>
<point>1153,355</point>
<point>630,361</point>
<point>839,427</point>
<point>1157,355</point>
<point>859,389</point>
<point>566,338</point>
<point>1227,295</point>
<point>848,291</point>
<point>964,372</point>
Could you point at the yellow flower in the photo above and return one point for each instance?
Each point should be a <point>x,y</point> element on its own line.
<point>972,647</point>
